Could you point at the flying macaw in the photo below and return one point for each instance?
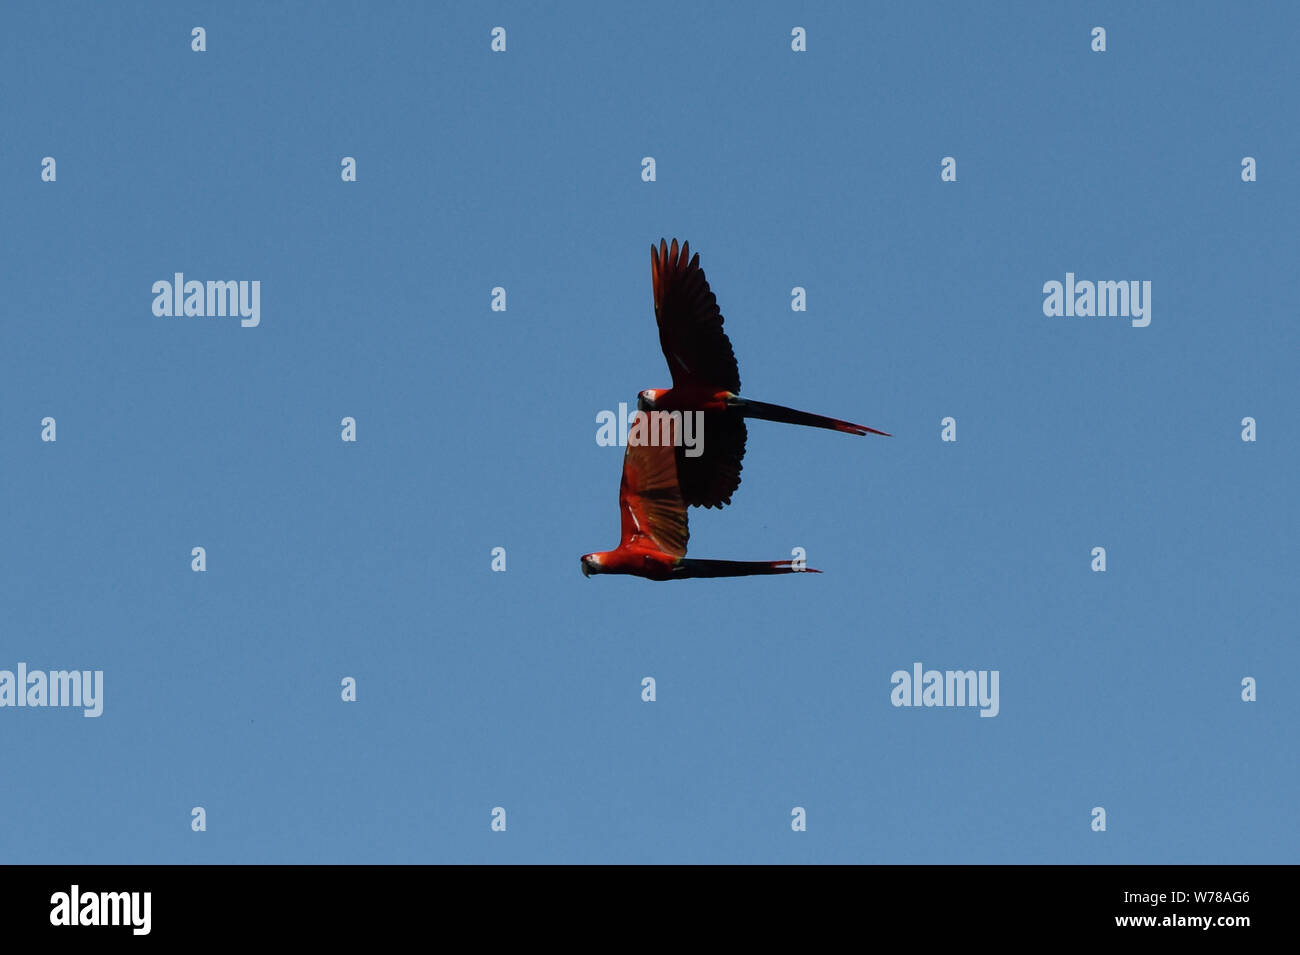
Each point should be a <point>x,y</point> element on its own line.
<point>654,529</point>
<point>706,378</point>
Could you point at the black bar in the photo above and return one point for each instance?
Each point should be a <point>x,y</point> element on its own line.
<point>336,903</point>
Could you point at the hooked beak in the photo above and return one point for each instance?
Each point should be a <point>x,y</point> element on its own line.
<point>586,571</point>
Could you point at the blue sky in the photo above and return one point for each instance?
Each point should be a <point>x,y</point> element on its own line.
<point>476,429</point>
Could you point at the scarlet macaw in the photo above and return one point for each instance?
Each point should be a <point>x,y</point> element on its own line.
<point>654,529</point>
<point>706,378</point>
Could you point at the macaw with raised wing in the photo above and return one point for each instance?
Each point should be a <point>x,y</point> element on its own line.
<point>706,378</point>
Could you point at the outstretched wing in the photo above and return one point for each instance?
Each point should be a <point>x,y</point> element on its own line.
<point>650,502</point>
<point>690,325</point>
<point>709,479</point>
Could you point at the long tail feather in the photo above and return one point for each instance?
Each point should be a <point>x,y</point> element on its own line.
<point>691,567</point>
<point>761,409</point>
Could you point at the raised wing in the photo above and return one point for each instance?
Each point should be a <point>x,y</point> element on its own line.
<point>690,325</point>
<point>650,502</point>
